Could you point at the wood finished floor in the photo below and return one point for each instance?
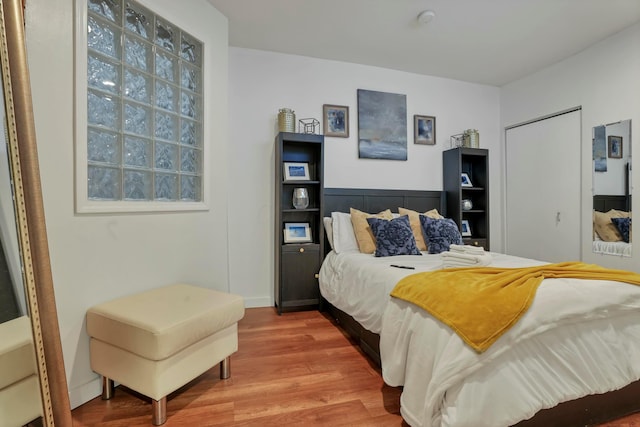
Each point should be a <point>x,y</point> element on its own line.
<point>294,369</point>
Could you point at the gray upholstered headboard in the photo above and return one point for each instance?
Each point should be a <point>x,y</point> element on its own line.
<point>373,200</point>
<point>603,203</point>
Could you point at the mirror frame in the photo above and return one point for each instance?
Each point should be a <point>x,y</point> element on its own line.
<point>25,172</point>
<point>603,201</point>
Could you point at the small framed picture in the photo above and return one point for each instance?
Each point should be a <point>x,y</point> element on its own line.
<point>336,120</point>
<point>424,130</point>
<point>296,171</point>
<point>297,232</point>
<point>465,228</point>
<point>615,147</point>
<point>466,181</point>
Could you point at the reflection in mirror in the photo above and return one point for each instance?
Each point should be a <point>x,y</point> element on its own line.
<point>12,296</point>
<point>32,378</point>
<point>19,381</point>
<point>612,188</point>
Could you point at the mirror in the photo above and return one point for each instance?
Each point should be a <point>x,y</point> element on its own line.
<point>13,302</point>
<point>19,378</point>
<point>612,188</point>
<point>31,247</point>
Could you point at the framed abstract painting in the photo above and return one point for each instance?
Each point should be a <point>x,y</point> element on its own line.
<point>382,125</point>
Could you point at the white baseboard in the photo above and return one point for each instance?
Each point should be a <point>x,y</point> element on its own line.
<point>258,302</point>
<point>84,393</point>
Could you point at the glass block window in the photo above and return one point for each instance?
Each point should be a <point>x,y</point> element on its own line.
<point>144,106</point>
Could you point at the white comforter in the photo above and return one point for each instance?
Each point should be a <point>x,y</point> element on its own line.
<point>579,337</point>
<point>359,284</point>
<point>612,248</point>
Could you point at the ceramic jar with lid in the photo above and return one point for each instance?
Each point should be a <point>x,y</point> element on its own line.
<point>471,138</point>
<point>286,120</point>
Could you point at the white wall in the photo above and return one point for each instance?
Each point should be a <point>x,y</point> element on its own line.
<point>603,79</point>
<point>262,82</point>
<point>99,257</point>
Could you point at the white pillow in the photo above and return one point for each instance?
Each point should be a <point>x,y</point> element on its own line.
<point>328,229</point>
<point>344,238</point>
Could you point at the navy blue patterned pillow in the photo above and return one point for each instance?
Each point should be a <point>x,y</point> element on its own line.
<point>393,237</point>
<point>623,225</point>
<point>439,234</point>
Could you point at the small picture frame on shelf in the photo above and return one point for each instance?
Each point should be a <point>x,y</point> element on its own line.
<point>465,180</point>
<point>296,171</point>
<point>336,120</point>
<point>297,232</point>
<point>615,147</point>
<point>465,228</point>
<point>424,130</point>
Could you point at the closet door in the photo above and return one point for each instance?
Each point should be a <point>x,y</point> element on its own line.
<point>543,189</point>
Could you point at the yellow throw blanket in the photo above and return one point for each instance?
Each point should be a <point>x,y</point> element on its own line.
<point>482,303</point>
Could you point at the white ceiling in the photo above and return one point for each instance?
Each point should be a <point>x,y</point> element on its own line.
<point>490,42</point>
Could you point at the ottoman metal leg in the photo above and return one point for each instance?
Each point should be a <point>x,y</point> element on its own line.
<point>159,408</point>
<point>225,368</point>
<point>107,388</point>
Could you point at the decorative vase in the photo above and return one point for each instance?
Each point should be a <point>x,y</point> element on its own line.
<point>286,120</point>
<point>300,198</point>
<point>467,204</point>
<point>471,138</point>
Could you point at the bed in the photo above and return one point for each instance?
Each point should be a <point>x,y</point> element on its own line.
<point>607,238</point>
<point>618,248</point>
<point>518,383</point>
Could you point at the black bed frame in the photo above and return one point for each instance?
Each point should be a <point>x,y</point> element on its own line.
<point>368,200</point>
<point>605,202</point>
<point>587,411</point>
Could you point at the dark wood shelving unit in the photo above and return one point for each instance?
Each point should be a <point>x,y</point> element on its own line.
<point>297,264</point>
<point>475,163</point>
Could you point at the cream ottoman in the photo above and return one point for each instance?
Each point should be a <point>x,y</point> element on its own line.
<point>156,341</point>
<point>20,401</point>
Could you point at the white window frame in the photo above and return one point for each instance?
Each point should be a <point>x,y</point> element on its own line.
<point>82,202</point>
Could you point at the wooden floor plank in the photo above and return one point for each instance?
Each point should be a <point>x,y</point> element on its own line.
<point>294,369</point>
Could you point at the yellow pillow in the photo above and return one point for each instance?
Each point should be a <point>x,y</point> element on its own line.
<point>414,220</point>
<point>605,228</point>
<point>364,236</point>
<point>623,214</point>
